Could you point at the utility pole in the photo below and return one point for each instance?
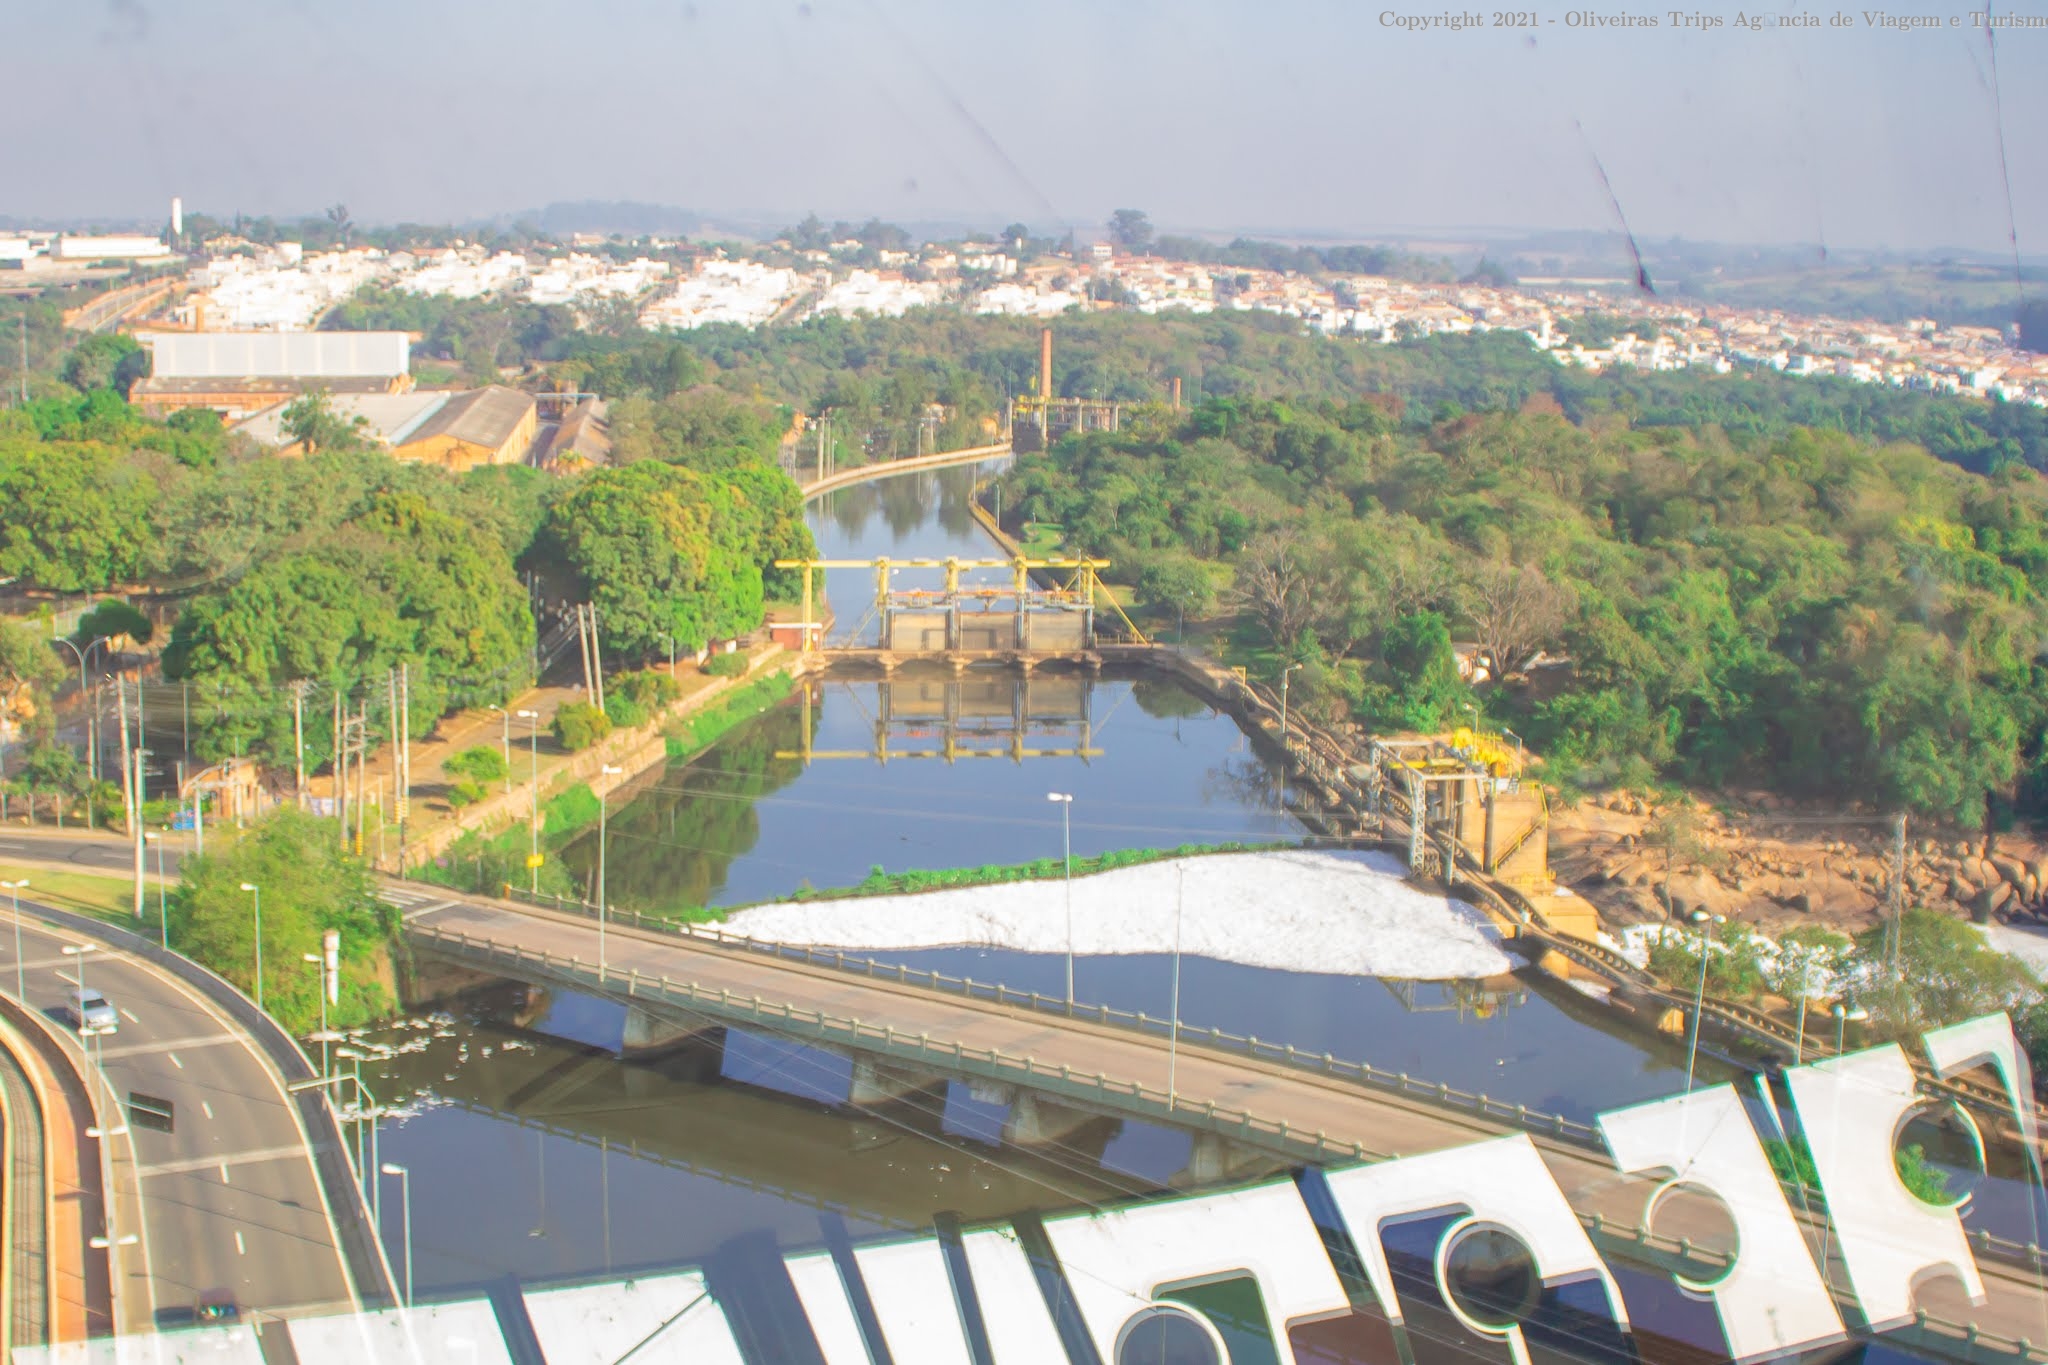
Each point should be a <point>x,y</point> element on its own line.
<point>405,757</point>
<point>596,658</point>
<point>340,770</point>
<point>23,320</point>
<point>1898,889</point>
<point>131,801</point>
<point>135,827</point>
<point>299,743</point>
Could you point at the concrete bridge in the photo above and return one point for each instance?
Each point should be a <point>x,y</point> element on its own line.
<point>1058,1065</point>
<point>827,481</point>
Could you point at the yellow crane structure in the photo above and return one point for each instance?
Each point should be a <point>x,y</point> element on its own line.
<point>910,617</point>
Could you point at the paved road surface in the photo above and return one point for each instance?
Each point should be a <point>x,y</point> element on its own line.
<point>230,1196</point>
<point>1307,1102</point>
<point>87,851</point>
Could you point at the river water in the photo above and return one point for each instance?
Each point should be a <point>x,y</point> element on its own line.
<point>536,1151</point>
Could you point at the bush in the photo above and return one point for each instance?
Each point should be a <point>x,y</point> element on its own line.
<point>482,763</point>
<point>726,665</point>
<point>578,725</point>
<point>466,791</point>
<point>624,712</point>
<point>650,687</point>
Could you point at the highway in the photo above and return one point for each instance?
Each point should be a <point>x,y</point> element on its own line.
<point>231,1198</point>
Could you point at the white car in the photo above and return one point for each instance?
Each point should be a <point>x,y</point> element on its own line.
<point>94,1012</point>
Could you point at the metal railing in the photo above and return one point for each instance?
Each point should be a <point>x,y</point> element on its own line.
<point>1323,1064</point>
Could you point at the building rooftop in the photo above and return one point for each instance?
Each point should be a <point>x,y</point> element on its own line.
<point>485,417</point>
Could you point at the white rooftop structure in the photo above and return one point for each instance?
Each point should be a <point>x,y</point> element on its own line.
<point>284,355</point>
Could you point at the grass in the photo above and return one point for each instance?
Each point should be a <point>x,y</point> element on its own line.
<point>106,896</point>
<point>883,883</point>
<point>700,730</point>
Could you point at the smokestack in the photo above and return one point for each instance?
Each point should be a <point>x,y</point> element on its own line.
<point>177,218</point>
<point>1176,392</point>
<point>1045,362</point>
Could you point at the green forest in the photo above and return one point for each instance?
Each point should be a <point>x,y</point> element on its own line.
<point>1801,609</point>
<point>314,576</point>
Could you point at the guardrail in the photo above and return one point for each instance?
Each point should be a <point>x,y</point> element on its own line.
<point>361,1247</point>
<point>1217,1040</point>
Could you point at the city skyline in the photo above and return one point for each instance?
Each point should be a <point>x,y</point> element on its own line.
<point>1334,125</point>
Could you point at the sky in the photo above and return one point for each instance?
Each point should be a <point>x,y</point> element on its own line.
<point>1291,116</point>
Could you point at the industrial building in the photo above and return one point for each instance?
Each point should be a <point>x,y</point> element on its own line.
<point>239,374</point>
<point>455,429</point>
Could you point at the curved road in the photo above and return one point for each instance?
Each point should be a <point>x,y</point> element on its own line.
<point>231,1197</point>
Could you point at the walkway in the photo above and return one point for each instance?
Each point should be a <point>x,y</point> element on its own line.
<point>818,486</point>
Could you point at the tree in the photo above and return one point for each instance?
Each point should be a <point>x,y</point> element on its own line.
<point>307,886</point>
<point>1425,691</point>
<point>578,725</point>
<point>28,665</point>
<point>337,217</point>
<point>1516,612</point>
<point>482,762</point>
<point>106,360</point>
<point>114,619</point>
<point>311,421</point>
<point>1131,230</point>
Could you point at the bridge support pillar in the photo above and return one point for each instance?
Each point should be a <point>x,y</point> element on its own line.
<point>1036,1121</point>
<point>1214,1158</point>
<point>879,1082</point>
<point>647,1033</point>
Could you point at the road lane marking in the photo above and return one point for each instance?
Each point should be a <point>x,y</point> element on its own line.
<point>240,1248</point>
<point>224,1174</point>
<point>166,1044</point>
<point>206,1108</point>
<point>187,1165</point>
<point>125,1014</point>
<point>174,1060</point>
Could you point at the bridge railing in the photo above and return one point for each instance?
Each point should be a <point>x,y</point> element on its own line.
<point>1321,1063</point>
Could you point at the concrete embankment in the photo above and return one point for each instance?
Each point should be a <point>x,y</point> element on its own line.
<point>632,752</point>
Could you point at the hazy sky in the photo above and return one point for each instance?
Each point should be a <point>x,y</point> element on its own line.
<point>1291,114</point>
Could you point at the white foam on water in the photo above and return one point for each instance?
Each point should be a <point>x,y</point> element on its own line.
<point>1337,913</point>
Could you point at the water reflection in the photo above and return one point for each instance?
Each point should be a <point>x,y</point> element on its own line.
<point>816,791</point>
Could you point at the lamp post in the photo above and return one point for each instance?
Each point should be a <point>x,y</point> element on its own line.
<point>506,716</point>
<point>405,1200</point>
<point>92,729</point>
<point>1173,1038</point>
<point>1699,999</point>
<point>256,896</point>
<point>1066,800</point>
<point>532,719</point>
<point>20,973</point>
<point>320,962</point>
<point>85,1030</point>
<point>163,917</point>
<point>1846,1015</point>
<point>603,803</point>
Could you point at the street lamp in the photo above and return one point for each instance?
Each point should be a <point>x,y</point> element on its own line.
<point>1066,800</point>
<point>1846,1015</point>
<point>1173,1039</point>
<point>324,1035</point>
<point>405,1198</point>
<point>92,729</point>
<point>507,718</point>
<point>85,1030</point>
<point>1699,999</point>
<point>532,718</point>
<point>1285,673</point>
<point>603,803</point>
<point>256,895</point>
<point>163,917</point>
<point>20,977</point>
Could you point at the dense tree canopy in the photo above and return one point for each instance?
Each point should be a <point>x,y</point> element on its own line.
<point>1798,608</point>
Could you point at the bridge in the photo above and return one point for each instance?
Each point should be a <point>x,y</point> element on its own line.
<point>824,480</point>
<point>1057,1065</point>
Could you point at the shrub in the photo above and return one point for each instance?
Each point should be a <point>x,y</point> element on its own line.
<point>578,725</point>
<point>726,665</point>
<point>624,712</point>
<point>465,791</point>
<point>481,762</point>
<point>650,687</point>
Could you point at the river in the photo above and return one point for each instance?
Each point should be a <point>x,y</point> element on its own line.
<point>536,1151</point>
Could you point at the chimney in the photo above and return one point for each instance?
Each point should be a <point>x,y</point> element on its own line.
<point>1045,362</point>
<point>177,218</point>
<point>1176,392</point>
